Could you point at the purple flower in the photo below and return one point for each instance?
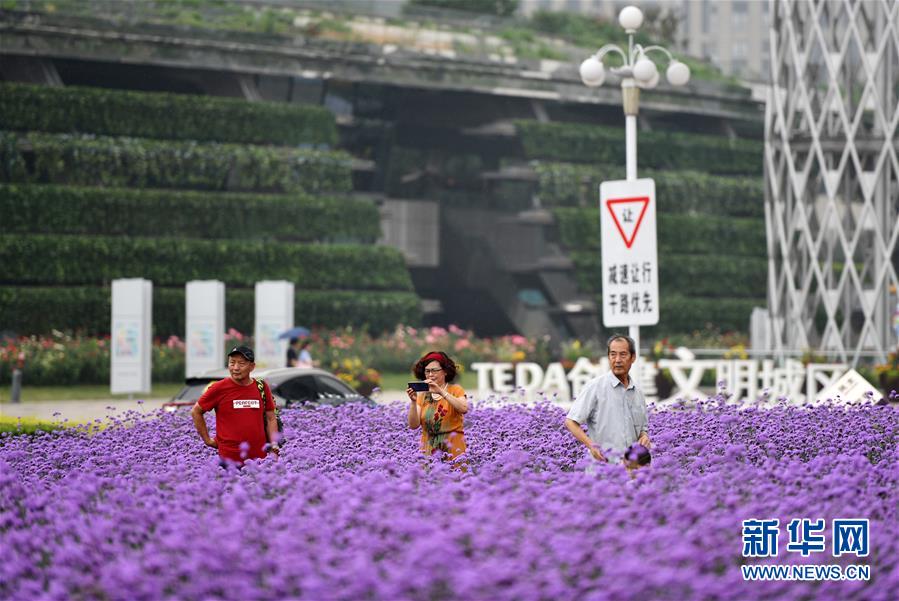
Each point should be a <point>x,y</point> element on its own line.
<point>140,510</point>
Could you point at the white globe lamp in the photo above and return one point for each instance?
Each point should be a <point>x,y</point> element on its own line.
<point>652,83</point>
<point>592,72</point>
<point>645,70</point>
<point>678,73</point>
<point>630,18</point>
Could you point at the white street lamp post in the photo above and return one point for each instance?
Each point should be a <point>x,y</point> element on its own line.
<point>636,72</point>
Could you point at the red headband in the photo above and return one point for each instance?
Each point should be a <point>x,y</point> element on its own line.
<point>434,357</point>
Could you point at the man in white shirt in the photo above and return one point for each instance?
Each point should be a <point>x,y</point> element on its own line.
<point>612,406</point>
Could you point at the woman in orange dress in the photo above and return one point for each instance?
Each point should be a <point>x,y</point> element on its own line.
<point>438,411</point>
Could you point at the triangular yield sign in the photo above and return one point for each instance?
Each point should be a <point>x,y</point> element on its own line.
<point>627,209</point>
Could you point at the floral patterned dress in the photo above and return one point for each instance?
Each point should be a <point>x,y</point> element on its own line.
<point>441,424</point>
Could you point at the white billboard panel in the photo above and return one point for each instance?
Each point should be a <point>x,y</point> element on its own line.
<point>205,324</point>
<point>131,336</point>
<point>274,315</point>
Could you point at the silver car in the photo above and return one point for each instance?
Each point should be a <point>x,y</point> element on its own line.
<point>291,387</point>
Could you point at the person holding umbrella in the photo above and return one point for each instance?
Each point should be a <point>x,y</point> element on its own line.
<point>297,352</point>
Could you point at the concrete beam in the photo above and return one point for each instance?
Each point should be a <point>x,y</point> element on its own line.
<point>41,37</point>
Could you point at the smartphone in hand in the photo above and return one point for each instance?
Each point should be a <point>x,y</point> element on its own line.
<point>419,386</point>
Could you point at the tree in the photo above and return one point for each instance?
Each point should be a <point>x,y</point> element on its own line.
<point>661,24</point>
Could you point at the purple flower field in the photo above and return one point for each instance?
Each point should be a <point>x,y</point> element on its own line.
<point>141,509</point>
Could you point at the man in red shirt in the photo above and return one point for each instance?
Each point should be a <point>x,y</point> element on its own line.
<point>239,410</point>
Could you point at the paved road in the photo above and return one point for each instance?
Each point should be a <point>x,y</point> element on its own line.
<point>77,411</point>
<point>86,411</point>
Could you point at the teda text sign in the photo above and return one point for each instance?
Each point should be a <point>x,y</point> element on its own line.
<point>630,267</point>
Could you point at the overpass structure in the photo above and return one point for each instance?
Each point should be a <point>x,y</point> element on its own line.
<point>432,130</point>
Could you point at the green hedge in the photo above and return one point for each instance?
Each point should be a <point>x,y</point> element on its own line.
<point>143,163</point>
<point>161,115</point>
<point>26,426</point>
<point>680,315</point>
<point>565,184</point>
<point>715,276</point>
<point>38,310</point>
<point>699,234</point>
<point>51,209</point>
<point>661,150</point>
<point>686,234</point>
<point>73,260</point>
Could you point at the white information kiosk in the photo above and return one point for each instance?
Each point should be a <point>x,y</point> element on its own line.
<point>131,334</point>
<point>205,326</point>
<point>274,314</point>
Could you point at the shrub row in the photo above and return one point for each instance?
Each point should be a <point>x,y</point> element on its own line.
<point>680,314</point>
<point>661,150</point>
<point>163,116</point>
<point>714,276</point>
<point>52,209</point>
<point>61,359</point>
<point>143,163</point>
<point>43,259</point>
<point>686,234</point>
<point>29,426</point>
<point>566,184</point>
<point>38,310</point>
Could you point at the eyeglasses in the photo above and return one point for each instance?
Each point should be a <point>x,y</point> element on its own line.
<point>434,370</point>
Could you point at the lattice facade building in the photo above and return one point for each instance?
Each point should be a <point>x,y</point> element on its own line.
<point>832,177</point>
